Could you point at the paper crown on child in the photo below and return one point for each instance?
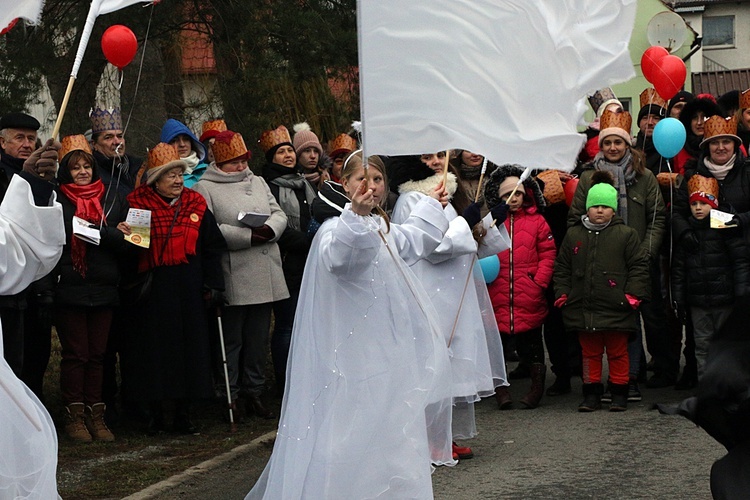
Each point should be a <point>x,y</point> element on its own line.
<point>105,119</point>
<point>601,99</point>
<point>211,129</point>
<point>618,124</point>
<point>229,146</point>
<point>161,158</point>
<point>705,189</point>
<point>271,139</point>
<point>342,144</point>
<point>716,127</point>
<point>72,143</point>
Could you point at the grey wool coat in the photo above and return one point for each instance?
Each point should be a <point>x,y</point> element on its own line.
<point>252,271</point>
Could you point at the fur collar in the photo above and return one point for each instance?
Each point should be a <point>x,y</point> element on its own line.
<point>428,185</point>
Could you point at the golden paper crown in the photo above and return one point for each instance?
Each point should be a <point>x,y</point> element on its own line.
<point>700,184</point>
<point>212,129</point>
<point>611,119</point>
<point>342,143</point>
<point>161,158</point>
<point>73,143</point>
<point>651,96</point>
<point>105,119</point>
<point>718,126</point>
<point>553,187</point>
<point>271,138</point>
<point>228,146</point>
<point>745,99</point>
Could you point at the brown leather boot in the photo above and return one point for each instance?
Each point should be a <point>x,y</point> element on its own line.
<point>504,401</point>
<point>538,375</point>
<point>94,419</point>
<point>75,427</point>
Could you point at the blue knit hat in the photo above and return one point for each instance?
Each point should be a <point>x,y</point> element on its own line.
<point>602,194</point>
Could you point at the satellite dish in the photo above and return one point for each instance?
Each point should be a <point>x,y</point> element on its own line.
<point>667,29</point>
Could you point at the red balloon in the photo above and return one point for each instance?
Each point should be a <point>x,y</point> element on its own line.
<point>650,61</point>
<point>570,190</point>
<point>119,45</point>
<point>669,76</point>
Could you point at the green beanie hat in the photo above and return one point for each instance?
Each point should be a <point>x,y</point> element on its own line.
<point>602,194</point>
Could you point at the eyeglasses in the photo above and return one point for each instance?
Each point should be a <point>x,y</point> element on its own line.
<point>171,177</point>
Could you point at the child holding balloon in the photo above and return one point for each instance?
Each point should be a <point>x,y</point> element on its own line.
<point>518,294</point>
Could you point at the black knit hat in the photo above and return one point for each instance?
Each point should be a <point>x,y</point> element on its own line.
<point>492,185</point>
<point>682,96</point>
<point>406,168</point>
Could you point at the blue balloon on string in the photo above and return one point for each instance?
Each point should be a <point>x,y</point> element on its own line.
<point>669,137</point>
<point>490,268</point>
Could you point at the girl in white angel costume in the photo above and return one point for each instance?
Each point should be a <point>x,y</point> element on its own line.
<point>366,409</point>
<point>451,276</point>
<point>31,242</point>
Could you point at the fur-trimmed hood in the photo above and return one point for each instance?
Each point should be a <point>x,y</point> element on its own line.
<point>406,168</point>
<point>692,107</point>
<point>532,190</point>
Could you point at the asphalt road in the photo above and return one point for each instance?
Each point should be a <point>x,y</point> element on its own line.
<point>550,452</point>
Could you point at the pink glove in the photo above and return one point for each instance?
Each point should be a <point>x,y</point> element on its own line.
<point>561,300</point>
<point>633,301</point>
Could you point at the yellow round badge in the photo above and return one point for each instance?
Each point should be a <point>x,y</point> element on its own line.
<point>194,217</point>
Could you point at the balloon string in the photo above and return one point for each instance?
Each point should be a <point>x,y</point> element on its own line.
<point>140,69</point>
<point>122,77</point>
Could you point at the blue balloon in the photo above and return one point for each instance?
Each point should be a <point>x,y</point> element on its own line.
<point>669,137</point>
<point>490,268</point>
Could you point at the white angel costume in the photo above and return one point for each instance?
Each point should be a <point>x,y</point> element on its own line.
<point>454,282</point>
<point>31,242</point>
<point>366,408</point>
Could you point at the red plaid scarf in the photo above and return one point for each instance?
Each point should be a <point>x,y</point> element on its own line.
<point>89,208</point>
<point>169,248</point>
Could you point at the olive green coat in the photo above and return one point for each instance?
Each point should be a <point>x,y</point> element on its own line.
<point>595,269</point>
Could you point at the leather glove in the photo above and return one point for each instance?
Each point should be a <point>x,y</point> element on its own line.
<point>262,234</point>
<point>43,162</point>
<point>214,298</point>
<point>472,214</point>
<point>735,221</point>
<point>561,300</point>
<point>499,213</point>
<point>633,301</point>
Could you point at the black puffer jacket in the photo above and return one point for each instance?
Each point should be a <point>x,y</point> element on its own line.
<point>734,194</point>
<point>714,273</point>
<point>99,288</point>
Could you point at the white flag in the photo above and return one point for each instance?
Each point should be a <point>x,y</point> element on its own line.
<point>504,78</point>
<point>27,9</point>
<point>108,6</point>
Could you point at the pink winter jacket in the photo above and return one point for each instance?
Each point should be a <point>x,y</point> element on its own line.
<point>525,272</point>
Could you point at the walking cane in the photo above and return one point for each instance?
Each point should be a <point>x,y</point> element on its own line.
<point>232,424</point>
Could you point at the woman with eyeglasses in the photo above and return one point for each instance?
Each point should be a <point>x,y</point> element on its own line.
<point>169,352</point>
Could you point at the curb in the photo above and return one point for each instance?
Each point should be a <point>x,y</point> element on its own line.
<point>155,490</point>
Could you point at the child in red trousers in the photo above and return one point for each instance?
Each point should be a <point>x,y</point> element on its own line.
<point>601,276</point>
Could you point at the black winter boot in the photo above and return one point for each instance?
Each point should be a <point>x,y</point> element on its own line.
<point>592,397</point>
<point>534,396</point>
<point>619,397</point>
<point>182,423</point>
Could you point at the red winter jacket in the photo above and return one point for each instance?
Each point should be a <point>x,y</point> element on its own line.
<point>525,272</point>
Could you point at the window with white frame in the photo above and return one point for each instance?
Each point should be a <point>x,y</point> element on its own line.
<point>718,31</point>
